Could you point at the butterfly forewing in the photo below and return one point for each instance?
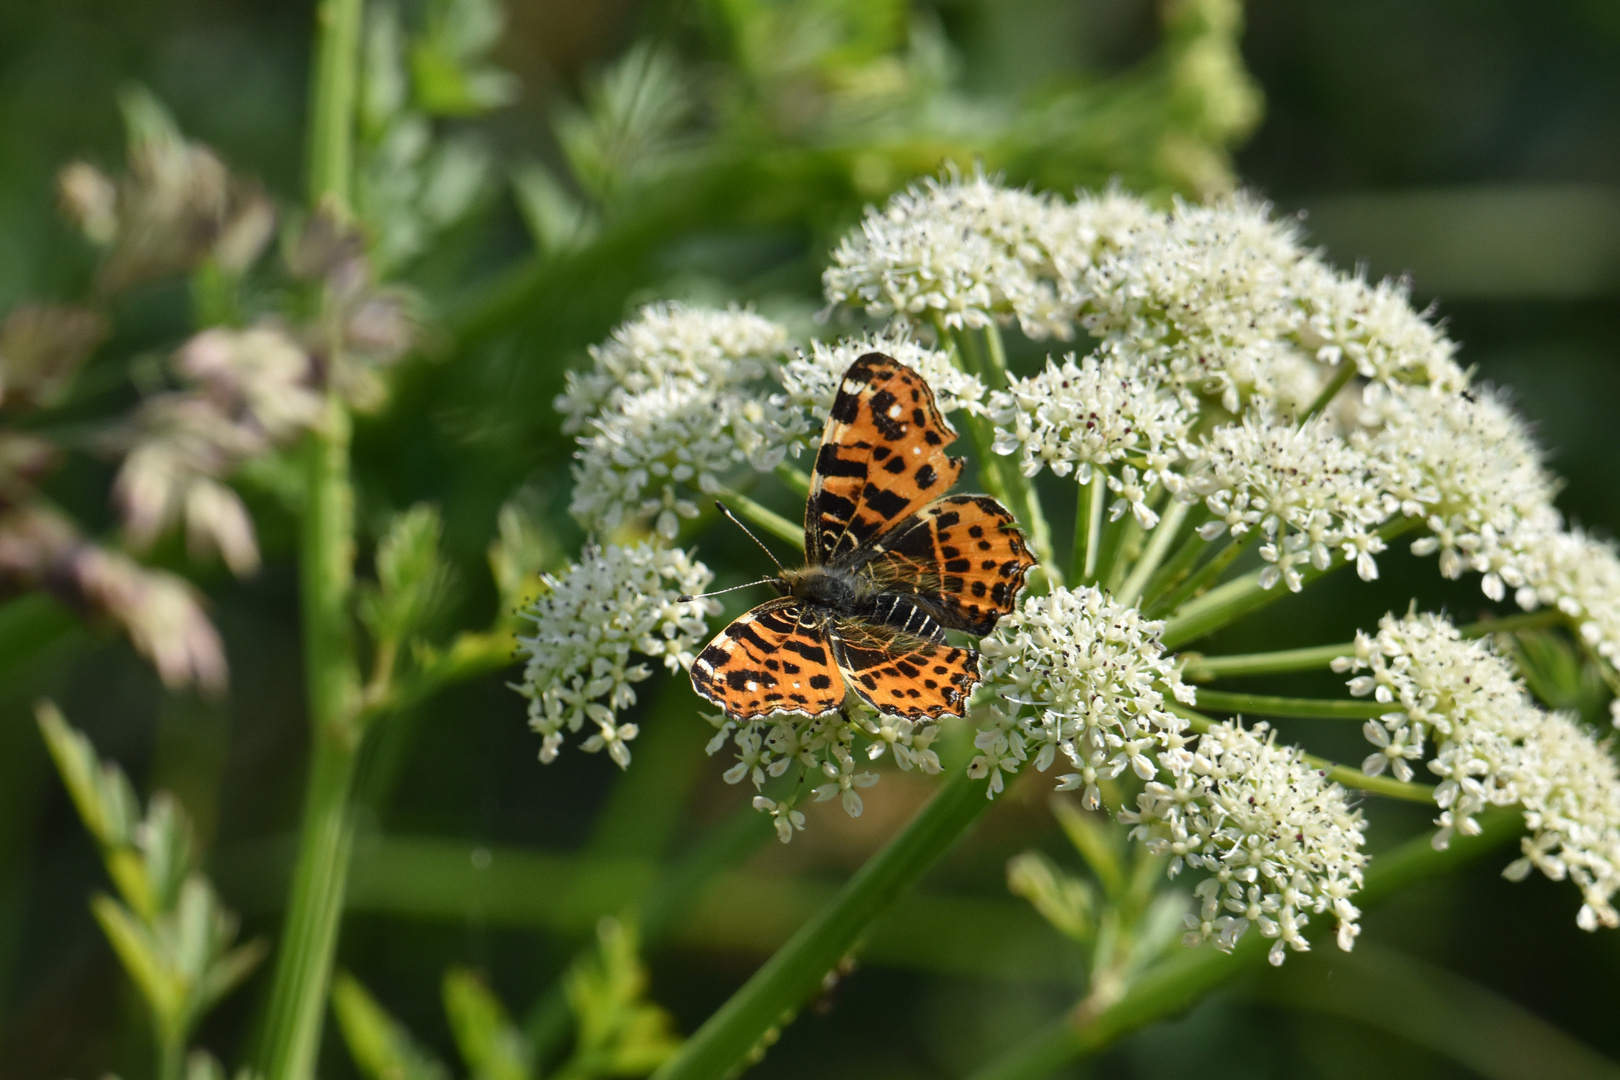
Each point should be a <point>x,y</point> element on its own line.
<point>902,675</point>
<point>962,556</point>
<point>882,458</point>
<point>774,658</point>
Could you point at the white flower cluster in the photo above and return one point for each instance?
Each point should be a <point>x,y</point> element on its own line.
<point>670,341</point>
<point>672,404</point>
<point>1493,746</point>
<point>616,602</point>
<point>829,746</point>
<point>1099,411</point>
<point>1074,671</point>
<point>968,252</point>
<point>1307,490</point>
<point>1580,575</point>
<point>1467,466</point>
<point>1277,837</point>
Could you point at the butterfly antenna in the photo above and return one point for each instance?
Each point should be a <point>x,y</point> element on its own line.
<point>726,510</point>
<point>686,598</point>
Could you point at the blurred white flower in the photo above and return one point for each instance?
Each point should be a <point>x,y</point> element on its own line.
<point>615,603</point>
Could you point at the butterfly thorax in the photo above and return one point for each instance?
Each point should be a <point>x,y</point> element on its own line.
<point>840,590</point>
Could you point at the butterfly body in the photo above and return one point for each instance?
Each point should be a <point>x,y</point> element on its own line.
<point>892,563</point>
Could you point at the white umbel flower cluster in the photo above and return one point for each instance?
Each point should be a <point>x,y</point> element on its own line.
<point>1077,673</point>
<point>616,603</point>
<point>1102,411</point>
<point>1278,839</point>
<point>672,405</point>
<point>1493,746</point>
<point>1308,492</point>
<point>1468,467</point>
<point>1580,575</point>
<point>968,252</point>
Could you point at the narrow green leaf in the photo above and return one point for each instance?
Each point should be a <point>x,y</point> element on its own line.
<point>490,1045</point>
<point>381,1047</point>
<point>142,956</point>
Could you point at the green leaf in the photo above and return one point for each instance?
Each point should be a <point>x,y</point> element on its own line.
<point>619,1033</point>
<point>557,220</point>
<point>522,548</point>
<point>492,1047</point>
<point>450,75</point>
<point>101,793</point>
<point>381,1047</point>
<point>627,134</point>
<point>142,955</point>
<point>411,580</point>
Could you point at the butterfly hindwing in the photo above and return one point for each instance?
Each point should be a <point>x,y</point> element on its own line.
<point>962,556</point>
<point>882,458</point>
<point>774,658</point>
<point>902,675</point>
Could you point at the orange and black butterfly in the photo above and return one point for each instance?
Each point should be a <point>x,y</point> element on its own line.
<point>890,566</point>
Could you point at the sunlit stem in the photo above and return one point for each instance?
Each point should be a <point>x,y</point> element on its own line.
<point>1088,528</point>
<point>1207,668</point>
<point>794,478</point>
<point>995,375</point>
<point>1243,595</point>
<point>1339,774</point>
<point>763,516</point>
<point>1343,375</point>
<point>1177,566</point>
<point>1205,575</point>
<point>1164,534</point>
<point>794,974</point>
<point>1313,708</point>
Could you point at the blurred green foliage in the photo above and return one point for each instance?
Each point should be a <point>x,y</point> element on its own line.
<point>706,151</point>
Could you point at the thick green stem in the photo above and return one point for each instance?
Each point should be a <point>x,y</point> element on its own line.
<point>766,518</point>
<point>1088,528</point>
<point>1164,534</point>
<point>1267,705</point>
<point>291,1035</point>
<point>1177,566</point>
<point>335,80</point>
<point>292,1031</point>
<point>171,1056</point>
<point>1205,668</point>
<point>797,479</point>
<point>1187,975</point>
<point>749,1019</point>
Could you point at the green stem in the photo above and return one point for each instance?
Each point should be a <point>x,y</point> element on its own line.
<point>1205,575</point>
<point>291,1035</point>
<point>171,1054</point>
<point>332,99</point>
<point>1164,534</point>
<point>1177,566</point>
<point>1088,528</point>
<point>1267,705</point>
<point>795,973</point>
<point>1244,595</point>
<point>1346,372</point>
<point>1182,979</point>
<point>796,479</point>
<point>995,358</point>
<point>766,518</point>
<point>1207,668</point>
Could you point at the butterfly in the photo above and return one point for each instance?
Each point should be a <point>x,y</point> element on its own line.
<point>891,564</point>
